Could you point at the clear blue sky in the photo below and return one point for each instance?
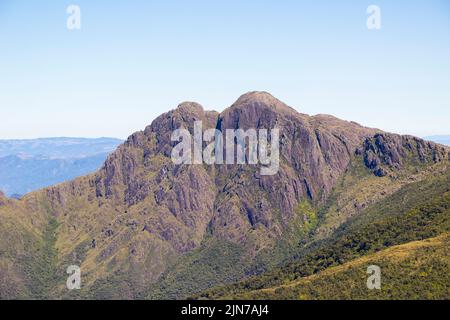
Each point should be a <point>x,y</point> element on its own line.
<point>133,60</point>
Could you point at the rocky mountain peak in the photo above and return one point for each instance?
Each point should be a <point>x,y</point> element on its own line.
<point>257,96</point>
<point>191,107</point>
<point>260,101</point>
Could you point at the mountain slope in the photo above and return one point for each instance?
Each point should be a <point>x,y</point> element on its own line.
<point>417,211</point>
<point>416,270</point>
<point>143,227</point>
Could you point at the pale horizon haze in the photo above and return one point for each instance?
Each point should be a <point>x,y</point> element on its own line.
<point>134,60</point>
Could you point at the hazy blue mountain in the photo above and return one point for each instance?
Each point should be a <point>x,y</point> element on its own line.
<point>58,148</point>
<point>439,139</point>
<point>27,165</point>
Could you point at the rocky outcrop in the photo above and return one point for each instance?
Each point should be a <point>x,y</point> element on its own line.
<point>385,152</point>
<point>313,155</point>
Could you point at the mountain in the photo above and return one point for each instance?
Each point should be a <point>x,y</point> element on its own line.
<point>445,140</point>
<point>27,165</point>
<point>406,234</point>
<point>143,227</point>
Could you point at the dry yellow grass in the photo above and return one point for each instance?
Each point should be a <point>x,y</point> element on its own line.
<point>394,254</point>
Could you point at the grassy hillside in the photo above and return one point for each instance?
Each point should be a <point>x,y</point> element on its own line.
<point>415,212</point>
<point>416,270</point>
<point>27,252</point>
<point>414,207</point>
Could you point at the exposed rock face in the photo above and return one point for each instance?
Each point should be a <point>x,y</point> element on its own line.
<point>140,212</point>
<point>229,200</point>
<point>313,155</point>
<point>389,151</point>
<point>141,171</point>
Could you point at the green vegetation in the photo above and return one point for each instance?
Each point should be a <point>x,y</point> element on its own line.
<point>418,211</point>
<point>34,259</point>
<point>308,216</point>
<point>213,264</point>
<point>417,270</point>
<point>44,269</point>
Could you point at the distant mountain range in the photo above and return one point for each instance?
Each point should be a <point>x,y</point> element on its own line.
<point>27,165</point>
<point>439,139</point>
